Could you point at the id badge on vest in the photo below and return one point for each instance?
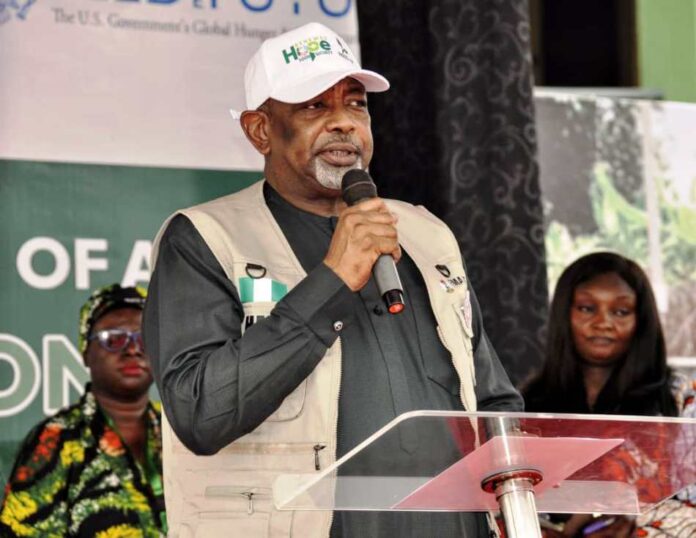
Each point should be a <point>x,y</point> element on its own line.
<point>258,293</point>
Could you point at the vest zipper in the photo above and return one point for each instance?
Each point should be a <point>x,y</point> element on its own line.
<point>250,496</point>
<point>255,449</point>
<point>317,463</point>
<point>335,426</point>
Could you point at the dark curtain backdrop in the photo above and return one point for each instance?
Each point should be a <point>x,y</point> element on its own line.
<point>456,133</point>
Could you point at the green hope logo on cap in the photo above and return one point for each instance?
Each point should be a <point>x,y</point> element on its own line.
<point>307,49</point>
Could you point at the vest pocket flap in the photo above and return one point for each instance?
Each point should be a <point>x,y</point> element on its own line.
<point>235,492</point>
<point>249,452</point>
<point>219,490</point>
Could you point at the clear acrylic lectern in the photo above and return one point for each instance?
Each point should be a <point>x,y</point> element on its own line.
<point>519,463</point>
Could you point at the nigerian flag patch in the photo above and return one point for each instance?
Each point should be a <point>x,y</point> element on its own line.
<point>259,290</point>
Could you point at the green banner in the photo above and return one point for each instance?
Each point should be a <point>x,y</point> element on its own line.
<point>66,229</point>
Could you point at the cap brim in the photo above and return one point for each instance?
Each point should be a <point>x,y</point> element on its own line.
<point>373,82</point>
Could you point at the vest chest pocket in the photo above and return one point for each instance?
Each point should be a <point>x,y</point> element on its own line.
<point>254,312</point>
<point>293,403</point>
<point>258,292</point>
<point>223,524</point>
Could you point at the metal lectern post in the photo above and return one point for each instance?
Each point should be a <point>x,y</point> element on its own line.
<point>514,491</point>
<point>514,488</point>
<point>516,499</point>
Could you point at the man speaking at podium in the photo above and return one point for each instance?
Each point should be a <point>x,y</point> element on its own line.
<point>274,350</point>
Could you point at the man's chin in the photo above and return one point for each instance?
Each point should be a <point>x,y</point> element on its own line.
<point>330,176</point>
<point>331,181</point>
<point>331,187</point>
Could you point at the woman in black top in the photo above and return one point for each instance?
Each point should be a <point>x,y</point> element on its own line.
<point>605,348</point>
<point>605,354</point>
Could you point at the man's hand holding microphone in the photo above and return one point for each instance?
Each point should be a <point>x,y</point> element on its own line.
<point>366,242</point>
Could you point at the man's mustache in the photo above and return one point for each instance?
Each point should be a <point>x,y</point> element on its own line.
<point>338,139</point>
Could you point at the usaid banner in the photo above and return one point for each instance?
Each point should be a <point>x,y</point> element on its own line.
<point>113,114</point>
<point>139,82</point>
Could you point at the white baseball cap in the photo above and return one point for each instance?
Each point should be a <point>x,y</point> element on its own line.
<point>301,64</point>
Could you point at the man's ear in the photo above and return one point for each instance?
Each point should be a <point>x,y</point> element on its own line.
<point>256,125</point>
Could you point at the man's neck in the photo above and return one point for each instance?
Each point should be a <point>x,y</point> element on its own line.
<point>325,204</point>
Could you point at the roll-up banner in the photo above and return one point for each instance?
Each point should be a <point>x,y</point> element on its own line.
<point>113,114</point>
<point>620,175</point>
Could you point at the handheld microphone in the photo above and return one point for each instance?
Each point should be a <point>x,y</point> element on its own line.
<point>357,185</point>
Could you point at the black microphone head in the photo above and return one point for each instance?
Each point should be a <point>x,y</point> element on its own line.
<point>357,185</point>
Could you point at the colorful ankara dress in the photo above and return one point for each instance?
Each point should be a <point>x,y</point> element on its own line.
<point>676,517</point>
<point>74,476</point>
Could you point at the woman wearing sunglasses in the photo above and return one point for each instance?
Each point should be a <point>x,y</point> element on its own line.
<point>95,468</point>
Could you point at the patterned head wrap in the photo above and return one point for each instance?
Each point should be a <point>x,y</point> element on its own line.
<point>105,300</point>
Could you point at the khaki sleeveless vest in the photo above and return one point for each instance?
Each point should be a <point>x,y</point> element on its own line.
<point>229,494</point>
